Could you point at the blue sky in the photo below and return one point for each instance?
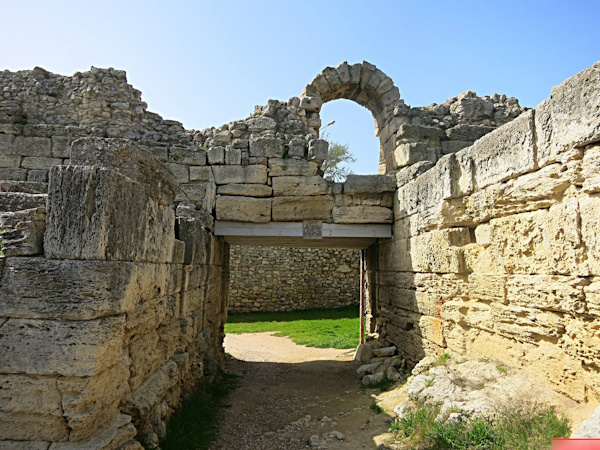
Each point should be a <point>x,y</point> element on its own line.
<point>207,63</point>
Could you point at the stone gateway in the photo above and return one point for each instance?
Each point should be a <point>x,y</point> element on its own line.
<point>481,234</point>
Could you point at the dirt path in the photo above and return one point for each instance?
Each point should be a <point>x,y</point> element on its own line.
<point>288,393</point>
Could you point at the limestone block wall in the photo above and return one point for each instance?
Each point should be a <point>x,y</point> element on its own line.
<point>110,312</point>
<point>285,279</point>
<point>495,250</point>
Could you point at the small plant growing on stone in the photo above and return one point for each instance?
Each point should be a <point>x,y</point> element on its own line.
<point>461,361</point>
<point>459,381</point>
<point>429,382</point>
<point>443,359</point>
<point>484,360</point>
<point>501,368</point>
<point>375,407</point>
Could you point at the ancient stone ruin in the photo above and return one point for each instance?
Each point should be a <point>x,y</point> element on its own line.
<point>481,237</point>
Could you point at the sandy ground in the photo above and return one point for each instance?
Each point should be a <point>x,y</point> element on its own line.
<point>288,393</point>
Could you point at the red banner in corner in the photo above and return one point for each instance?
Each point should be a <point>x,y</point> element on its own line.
<point>575,444</point>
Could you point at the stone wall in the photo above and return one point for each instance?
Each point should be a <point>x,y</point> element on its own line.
<point>285,279</point>
<point>110,310</point>
<point>495,250</point>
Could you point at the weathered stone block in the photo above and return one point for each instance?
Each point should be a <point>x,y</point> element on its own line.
<point>181,172</point>
<point>562,239</point>
<point>245,190</point>
<point>61,146</point>
<point>362,214</point>
<point>141,403</point>
<point>412,152</point>
<point>145,357</point>
<point>149,315</point>
<point>26,187</point>
<point>6,143</point>
<point>90,402</point>
<point>581,340</point>
<point>318,150</point>
<point>203,217</point>
<point>592,296</point>
<point>196,238</point>
<point>267,147</point>
<point>439,251</point>
<point>254,174</point>
<point>113,435</point>
<point>575,106</point>
<point>19,201</point>
<point>216,155</point>
<point>546,151</point>
<point>94,213</point>
<point>297,186</point>
<point>233,156</point>
<point>39,176</point>
<point>526,324</point>
<point>258,124</point>
<point>451,177</point>
<point>10,160</point>
<point>36,162</point>
<point>30,409</point>
<point>32,146</point>
<point>482,235</point>
<point>124,157</point>
<point>203,174</point>
<point>420,133</point>
<point>517,243</point>
<point>201,194</point>
<point>589,210</point>
<point>464,132</point>
<point>311,103</point>
<point>244,209</point>
<point>279,167</point>
<point>13,173</point>
<point>454,146</point>
<point>431,328</point>
<point>39,288</point>
<point>507,152</point>
<point>22,232</point>
<point>547,292</point>
<point>369,184</point>
<point>289,209</point>
<point>297,149</point>
<point>189,156</point>
<point>407,174</point>
<point>590,170</point>
<point>487,287</point>
<point>70,348</point>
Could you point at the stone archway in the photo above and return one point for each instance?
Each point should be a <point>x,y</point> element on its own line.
<point>366,85</point>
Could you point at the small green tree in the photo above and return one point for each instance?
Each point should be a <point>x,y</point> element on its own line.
<point>336,165</point>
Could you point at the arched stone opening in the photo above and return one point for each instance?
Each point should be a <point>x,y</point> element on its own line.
<point>366,85</point>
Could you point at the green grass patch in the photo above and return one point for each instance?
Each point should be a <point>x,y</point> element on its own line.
<point>194,424</point>
<point>512,431</point>
<point>320,328</point>
<point>443,359</point>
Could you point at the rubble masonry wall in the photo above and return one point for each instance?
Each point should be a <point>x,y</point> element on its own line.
<point>286,279</point>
